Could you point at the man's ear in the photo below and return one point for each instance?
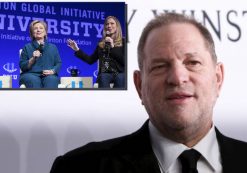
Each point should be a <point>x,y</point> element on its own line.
<point>138,82</point>
<point>219,76</point>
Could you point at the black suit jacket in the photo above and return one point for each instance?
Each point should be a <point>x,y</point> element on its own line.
<point>133,154</point>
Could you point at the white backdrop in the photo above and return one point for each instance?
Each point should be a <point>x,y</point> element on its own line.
<point>36,126</point>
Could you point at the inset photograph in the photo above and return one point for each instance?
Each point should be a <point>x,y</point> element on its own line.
<point>63,45</point>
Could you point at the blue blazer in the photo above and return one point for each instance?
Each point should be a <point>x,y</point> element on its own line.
<point>133,154</point>
<point>50,59</point>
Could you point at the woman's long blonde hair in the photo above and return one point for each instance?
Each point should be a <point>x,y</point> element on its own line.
<point>118,36</point>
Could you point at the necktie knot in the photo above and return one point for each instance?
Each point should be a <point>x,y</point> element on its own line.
<point>189,160</point>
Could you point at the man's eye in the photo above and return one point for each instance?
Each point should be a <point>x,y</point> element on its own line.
<point>193,63</point>
<point>159,67</point>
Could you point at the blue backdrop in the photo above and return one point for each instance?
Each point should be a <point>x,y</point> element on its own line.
<point>80,21</point>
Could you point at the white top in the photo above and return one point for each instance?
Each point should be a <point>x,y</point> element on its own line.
<point>167,152</point>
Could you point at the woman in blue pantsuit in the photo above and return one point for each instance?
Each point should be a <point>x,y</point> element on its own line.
<point>40,61</point>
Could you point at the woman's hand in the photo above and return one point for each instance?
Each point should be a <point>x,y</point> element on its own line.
<point>72,44</point>
<point>109,40</point>
<point>48,72</point>
<point>36,54</point>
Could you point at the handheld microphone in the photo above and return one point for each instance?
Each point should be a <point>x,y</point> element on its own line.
<point>108,34</point>
<point>107,43</point>
<point>41,47</point>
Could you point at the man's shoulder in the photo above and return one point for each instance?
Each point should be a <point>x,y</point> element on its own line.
<point>229,141</point>
<point>234,143</point>
<point>92,156</point>
<point>123,153</point>
<point>231,146</point>
<point>233,153</point>
<point>95,148</point>
<point>113,147</point>
<point>119,144</point>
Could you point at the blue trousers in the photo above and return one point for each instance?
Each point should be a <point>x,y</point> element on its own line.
<point>104,80</point>
<point>36,80</point>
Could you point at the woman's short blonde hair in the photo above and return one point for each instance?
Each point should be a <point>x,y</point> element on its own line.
<point>31,27</point>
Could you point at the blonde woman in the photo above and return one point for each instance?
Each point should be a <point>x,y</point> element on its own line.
<point>110,52</point>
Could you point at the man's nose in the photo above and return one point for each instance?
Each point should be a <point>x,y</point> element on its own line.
<point>177,75</point>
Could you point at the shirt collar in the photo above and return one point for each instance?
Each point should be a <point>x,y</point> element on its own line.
<point>209,149</point>
<point>167,151</point>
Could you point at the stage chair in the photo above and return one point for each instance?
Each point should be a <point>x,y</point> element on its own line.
<point>5,82</point>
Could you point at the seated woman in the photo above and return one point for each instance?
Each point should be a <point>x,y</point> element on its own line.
<point>40,61</point>
<point>110,52</point>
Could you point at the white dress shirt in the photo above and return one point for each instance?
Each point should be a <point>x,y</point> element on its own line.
<point>167,152</point>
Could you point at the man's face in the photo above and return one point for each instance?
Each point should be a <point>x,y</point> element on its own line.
<point>179,83</point>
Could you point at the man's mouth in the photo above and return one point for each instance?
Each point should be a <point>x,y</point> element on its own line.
<point>179,97</point>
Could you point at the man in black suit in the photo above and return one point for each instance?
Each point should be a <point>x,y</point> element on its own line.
<point>178,82</point>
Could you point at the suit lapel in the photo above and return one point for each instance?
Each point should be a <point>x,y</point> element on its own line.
<point>225,156</point>
<point>232,153</point>
<point>140,153</point>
